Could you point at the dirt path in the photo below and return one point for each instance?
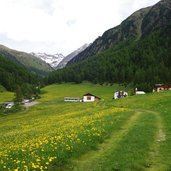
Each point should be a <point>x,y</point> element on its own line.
<point>154,155</point>
<point>27,105</point>
<point>87,161</point>
<point>91,159</point>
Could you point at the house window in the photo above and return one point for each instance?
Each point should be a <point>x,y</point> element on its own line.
<point>88,97</point>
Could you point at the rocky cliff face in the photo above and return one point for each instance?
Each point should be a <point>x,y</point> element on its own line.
<point>137,25</point>
<point>159,16</point>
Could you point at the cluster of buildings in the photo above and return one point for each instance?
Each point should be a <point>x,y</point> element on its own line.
<point>118,94</point>
<point>92,98</point>
<point>86,98</point>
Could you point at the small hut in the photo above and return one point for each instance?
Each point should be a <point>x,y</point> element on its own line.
<point>90,98</point>
<point>120,94</point>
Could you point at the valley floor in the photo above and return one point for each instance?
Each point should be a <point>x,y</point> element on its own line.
<point>128,134</point>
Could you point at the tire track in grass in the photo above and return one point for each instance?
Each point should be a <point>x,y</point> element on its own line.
<point>132,151</point>
<point>87,161</point>
<point>155,161</point>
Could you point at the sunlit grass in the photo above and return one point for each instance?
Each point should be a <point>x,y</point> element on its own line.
<point>6,96</point>
<point>54,130</point>
<point>51,133</point>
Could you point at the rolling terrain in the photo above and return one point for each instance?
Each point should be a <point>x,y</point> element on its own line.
<point>27,60</point>
<point>132,133</point>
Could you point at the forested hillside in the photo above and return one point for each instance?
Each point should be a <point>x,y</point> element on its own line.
<point>137,52</point>
<point>27,60</point>
<point>13,75</point>
<point>142,62</point>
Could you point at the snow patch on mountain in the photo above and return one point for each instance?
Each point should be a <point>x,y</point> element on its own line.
<point>52,60</point>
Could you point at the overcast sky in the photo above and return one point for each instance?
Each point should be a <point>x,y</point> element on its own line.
<point>60,26</point>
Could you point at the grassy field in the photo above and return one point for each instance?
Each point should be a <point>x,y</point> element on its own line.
<point>121,135</point>
<point>6,96</point>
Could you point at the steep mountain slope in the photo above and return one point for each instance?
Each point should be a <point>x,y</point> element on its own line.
<point>159,16</point>
<point>130,28</point>
<point>52,60</point>
<point>29,61</point>
<point>69,57</point>
<point>136,26</point>
<point>13,74</point>
<point>139,54</point>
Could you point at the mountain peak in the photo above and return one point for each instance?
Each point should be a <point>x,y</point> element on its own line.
<point>72,55</point>
<point>52,60</point>
<point>137,25</point>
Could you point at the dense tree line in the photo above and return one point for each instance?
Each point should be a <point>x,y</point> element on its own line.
<point>13,75</point>
<point>142,62</point>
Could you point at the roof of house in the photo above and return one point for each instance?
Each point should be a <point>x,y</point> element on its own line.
<point>162,85</point>
<point>89,94</point>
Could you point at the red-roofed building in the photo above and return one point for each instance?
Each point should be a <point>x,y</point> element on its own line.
<point>161,87</point>
<point>90,97</point>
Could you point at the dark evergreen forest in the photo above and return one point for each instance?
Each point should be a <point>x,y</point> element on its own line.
<point>13,75</point>
<point>141,62</point>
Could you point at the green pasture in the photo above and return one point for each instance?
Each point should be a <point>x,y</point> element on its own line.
<point>128,134</point>
<point>6,96</point>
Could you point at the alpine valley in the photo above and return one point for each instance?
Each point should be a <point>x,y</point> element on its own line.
<point>137,51</point>
<point>80,112</point>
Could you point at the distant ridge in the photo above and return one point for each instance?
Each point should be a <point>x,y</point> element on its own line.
<point>25,59</point>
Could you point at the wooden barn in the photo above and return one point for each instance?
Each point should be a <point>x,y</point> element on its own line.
<point>90,97</point>
<point>161,87</point>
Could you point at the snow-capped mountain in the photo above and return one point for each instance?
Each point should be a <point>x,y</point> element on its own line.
<point>52,60</point>
<point>65,60</point>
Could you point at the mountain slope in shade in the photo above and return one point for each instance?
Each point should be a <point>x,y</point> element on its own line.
<point>129,28</point>
<point>13,74</point>
<point>69,57</point>
<point>25,59</point>
<point>139,24</point>
<point>52,60</point>
<point>137,52</point>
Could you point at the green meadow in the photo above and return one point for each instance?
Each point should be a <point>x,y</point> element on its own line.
<point>129,134</point>
<point>6,96</point>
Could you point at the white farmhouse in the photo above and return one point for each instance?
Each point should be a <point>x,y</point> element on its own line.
<point>90,98</point>
<point>120,94</point>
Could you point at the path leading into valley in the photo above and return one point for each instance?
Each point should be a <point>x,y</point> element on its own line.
<point>93,160</point>
<point>154,155</point>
